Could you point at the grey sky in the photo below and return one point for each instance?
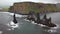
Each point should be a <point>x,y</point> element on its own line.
<point>10,2</point>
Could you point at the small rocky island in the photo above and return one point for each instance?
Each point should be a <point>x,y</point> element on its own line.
<point>36,18</point>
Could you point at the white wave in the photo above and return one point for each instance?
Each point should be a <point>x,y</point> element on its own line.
<point>1,32</point>
<point>27,20</point>
<point>11,13</point>
<point>42,25</point>
<point>12,25</point>
<point>33,22</point>
<point>9,29</point>
<point>17,15</point>
<point>57,26</point>
<point>53,29</point>
<point>4,12</point>
<point>30,21</point>
<point>39,24</point>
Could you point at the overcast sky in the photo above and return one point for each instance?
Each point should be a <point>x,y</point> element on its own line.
<point>10,2</point>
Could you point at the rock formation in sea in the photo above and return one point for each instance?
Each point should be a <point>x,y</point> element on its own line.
<point>45,21</point>
<point>31,16</point>
<point>14,19</point>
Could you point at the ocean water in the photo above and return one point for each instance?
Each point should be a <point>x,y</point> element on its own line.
<point>27,27</point>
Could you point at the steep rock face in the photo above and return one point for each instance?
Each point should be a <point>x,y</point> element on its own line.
<point>11,9</point>
<point>25,7</point>
<point>58,5</point>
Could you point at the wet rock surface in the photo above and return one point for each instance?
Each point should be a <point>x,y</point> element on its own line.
<point>14,19</point>
<point>36,18</point>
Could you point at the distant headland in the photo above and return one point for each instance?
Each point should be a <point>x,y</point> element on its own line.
<point>26,7</point>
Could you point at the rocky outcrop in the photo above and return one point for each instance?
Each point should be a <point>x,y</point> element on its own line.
<point>43,21</point>
<point>48,22</point>
<point>31,16</point>
<point>14,19</point>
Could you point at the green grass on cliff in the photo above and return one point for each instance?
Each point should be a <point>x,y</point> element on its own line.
<point>5,8</point>
<point>46,8</point>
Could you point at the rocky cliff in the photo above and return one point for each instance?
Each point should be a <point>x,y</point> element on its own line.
<point>26,7</point>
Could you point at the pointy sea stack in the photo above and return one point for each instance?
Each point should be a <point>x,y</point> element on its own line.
<point>48,22</point>
<point>14,19</point>
<point>44,21</point>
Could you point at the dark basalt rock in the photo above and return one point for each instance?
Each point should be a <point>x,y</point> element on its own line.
<point>50,24</point>
<point>14,19</point>
<point>47,22</point>
<point>38,20</point>
<point>43,21</point>
<point>31,16</point>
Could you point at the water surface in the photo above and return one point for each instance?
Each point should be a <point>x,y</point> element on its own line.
<point>27,27</point>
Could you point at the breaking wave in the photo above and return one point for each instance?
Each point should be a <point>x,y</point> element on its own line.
<point>51,30</point>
